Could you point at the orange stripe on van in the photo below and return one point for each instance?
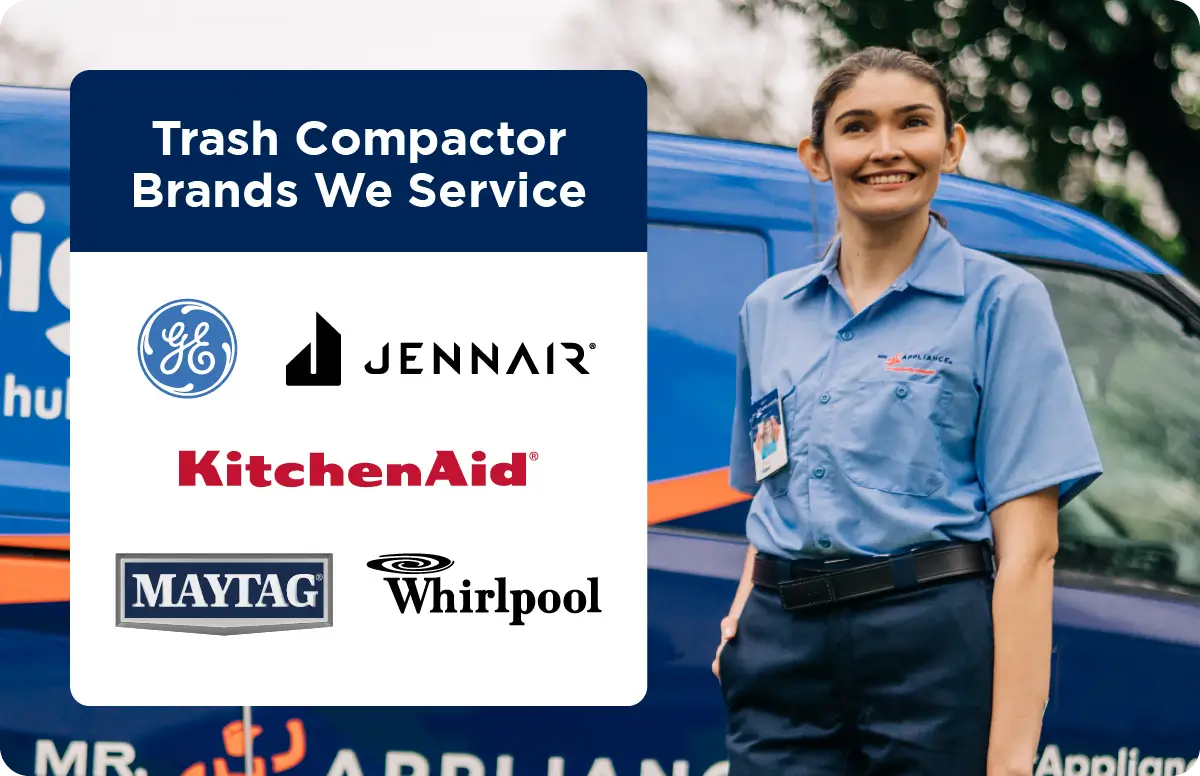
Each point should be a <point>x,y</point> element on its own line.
<point>34,580</point>
<point>36,541</point>
<point>690,495</point>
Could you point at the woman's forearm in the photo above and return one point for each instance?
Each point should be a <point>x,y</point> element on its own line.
<point>1021,613</point>
<point>744,585</point>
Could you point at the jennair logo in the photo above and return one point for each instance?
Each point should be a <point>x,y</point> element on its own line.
<point>417,589</point>
<point>319,363</point>
<point>224,594</point>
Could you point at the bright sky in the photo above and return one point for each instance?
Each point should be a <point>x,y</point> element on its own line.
<point>291,34</point>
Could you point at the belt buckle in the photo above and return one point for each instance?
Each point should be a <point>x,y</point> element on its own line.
<point>807,593</point>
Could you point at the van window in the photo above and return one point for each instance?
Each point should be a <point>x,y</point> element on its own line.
<point>1139,373</point>
<point>697,280</point>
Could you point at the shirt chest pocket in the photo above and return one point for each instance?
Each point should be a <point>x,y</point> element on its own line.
<point>887,436</point>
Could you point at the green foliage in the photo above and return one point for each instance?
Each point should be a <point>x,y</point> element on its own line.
<point>1076,78</point>
<point>1120,208</point>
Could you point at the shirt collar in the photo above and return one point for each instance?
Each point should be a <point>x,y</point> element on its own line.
<point>937,268</point>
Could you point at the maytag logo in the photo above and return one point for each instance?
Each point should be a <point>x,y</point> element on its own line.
<point>224,594</point>
<point>319,363</point>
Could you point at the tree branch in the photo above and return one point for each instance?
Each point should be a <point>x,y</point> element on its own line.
<point>1134,89</point>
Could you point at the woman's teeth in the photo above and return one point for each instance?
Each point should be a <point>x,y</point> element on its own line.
<point>880,180</point>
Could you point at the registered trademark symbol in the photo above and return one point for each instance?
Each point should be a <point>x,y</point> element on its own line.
<point>533,456</point>
<point>592,345</point>
<point>320,577</point>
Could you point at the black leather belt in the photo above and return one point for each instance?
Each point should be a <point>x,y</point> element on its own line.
<point>805,588</point>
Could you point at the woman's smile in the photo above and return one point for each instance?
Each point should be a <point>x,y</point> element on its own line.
<point>887,181</point>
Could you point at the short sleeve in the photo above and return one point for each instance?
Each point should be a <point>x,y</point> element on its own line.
<point>741,456</point>
<point>1033,430</point>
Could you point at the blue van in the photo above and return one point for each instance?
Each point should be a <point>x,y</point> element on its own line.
<point>723,216</point>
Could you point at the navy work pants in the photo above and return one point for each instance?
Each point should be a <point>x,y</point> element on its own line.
<point>897,685</point>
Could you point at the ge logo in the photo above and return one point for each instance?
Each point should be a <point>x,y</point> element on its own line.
<point>187,348</point>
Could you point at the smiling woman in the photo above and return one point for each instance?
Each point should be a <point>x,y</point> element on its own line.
<point>895,138</point>
<point>930,428</point>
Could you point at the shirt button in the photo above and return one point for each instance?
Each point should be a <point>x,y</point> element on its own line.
<point>824,398</point>
<point>847,335</point>
<point>825,543</point>
<point>819,472</point>
<point>901,391</point>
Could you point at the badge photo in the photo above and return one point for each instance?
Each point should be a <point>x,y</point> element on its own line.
<point>768,437</point>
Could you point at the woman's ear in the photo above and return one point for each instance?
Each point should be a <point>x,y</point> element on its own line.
<point>954,149</point>
<point>813,159</point>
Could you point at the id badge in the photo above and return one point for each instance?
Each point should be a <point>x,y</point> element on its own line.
<point>768,437</point>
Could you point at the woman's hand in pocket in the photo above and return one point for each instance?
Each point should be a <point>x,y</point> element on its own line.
<point>728,629</point>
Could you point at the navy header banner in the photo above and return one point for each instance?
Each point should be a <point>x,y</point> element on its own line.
<point>358,161</point>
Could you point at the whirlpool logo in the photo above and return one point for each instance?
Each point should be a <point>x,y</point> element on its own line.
<point>417,589</point>
<point>224,594</point>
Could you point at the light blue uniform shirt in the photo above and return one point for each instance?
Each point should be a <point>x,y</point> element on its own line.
<point>907,423</point>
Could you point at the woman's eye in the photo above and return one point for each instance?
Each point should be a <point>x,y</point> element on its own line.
<point>853,126</point>
<point>915,121</point>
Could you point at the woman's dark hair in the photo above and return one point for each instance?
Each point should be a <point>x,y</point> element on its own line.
<point>844,75</point>
<point>874,58</point>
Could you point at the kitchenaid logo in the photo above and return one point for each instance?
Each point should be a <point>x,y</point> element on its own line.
<point>224,594</point>
<point>204,468</point>
<point>319,363</point>
<point>417,590</point>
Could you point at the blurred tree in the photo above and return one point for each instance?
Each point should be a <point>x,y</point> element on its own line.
<point>707,71</point>
<point>1085,83</point>
<point>23,63</point>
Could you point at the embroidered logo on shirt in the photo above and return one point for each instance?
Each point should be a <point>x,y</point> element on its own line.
<point>897,363</point>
